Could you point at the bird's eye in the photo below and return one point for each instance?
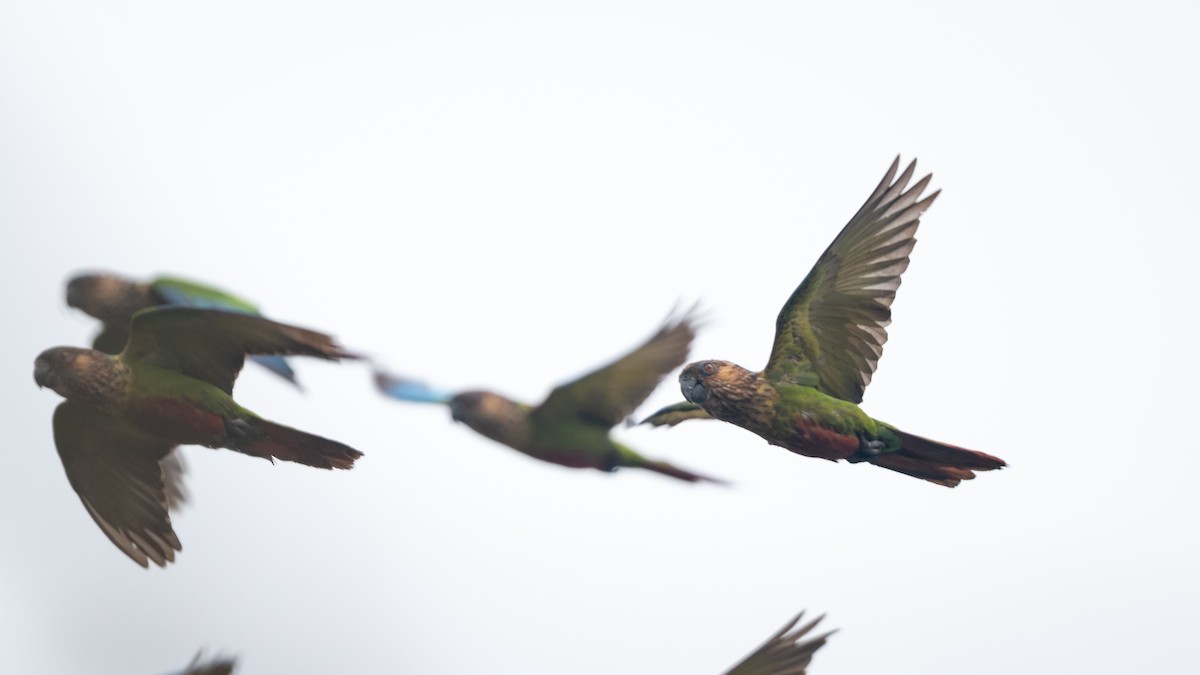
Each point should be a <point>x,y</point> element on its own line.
<point>709,368</point>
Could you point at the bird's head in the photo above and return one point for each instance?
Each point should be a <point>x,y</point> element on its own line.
<point>495,416</point>
<point>703,380</point>
<point>474,405</point>
<point>59,368</point>
<point>87,291</point>
<point>106,296</point>
<point>83,375</point>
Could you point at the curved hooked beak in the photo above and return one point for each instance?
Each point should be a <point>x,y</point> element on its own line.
<point>74,293</point>
<point>42,373</point>
<point>693,390</point>
<point>456,411</point>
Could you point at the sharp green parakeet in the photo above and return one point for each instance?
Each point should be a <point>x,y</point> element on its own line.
<point>114,300</point>
<point>828,339</point>
<point>571,427</point>
<point>171,385</point>
<point>784,653</point>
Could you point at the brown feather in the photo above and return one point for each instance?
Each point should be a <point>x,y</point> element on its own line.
<point>293,445</point>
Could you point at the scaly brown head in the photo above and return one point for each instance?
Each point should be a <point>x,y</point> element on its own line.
<point>713,385</point>
<point>497,417</point>
<point>83,375</point>
<point>107,297</point>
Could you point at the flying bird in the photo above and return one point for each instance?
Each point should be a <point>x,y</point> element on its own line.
<point>171,385</point>
<point>784,653</point>
<point>217,666</point>
<point>828,339</point>
<point>114,300</point>
<point>571,427</point>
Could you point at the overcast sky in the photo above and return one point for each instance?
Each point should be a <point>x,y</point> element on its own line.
<point>507,195</point>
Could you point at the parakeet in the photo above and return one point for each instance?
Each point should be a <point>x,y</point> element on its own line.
<point>217,666</point>
<point>571,427</point>
<point>783,653</point>
<point>171,385</point>
<point>114,300</point>
<point>828,339</point>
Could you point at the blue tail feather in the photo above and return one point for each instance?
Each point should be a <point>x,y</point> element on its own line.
<point>405,389</point>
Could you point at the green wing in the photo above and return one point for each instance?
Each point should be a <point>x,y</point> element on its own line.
<point>116,471</point>
<point>610,394</point>
<point>676,413</point>
<point>830,333</point>
<point>783,653</point>
<point>112,338</point>
<point>176,291</point>
<point>211,345</point>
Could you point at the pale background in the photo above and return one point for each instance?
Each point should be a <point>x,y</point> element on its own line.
<point>509,194</point>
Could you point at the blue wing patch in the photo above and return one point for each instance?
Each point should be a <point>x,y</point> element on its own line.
<point>183,293</point>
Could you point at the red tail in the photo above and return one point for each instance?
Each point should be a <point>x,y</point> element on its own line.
<point>293,445</point>
<point>935,462</point>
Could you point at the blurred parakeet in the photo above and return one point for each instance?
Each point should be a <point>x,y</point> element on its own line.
<point>217,666</point>
<point>828,339</point>
<point>571,427</point>
<point>784,653</point>
<point>171,385</point>
<point>114,300</point>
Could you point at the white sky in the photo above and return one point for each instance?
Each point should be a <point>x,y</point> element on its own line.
<point>508,194</point>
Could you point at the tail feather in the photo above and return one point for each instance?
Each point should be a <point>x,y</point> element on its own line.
<point>673,471</point>
<point>935,462</point>
<point>947,455</point>
<point>293,445</point>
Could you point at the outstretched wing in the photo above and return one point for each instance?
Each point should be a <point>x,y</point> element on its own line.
<point>676,413</point>
<point>112,338</point>
<point>830,333</point>
<point>184,293</point>
<point>783,653</point>
<point>116,471</point>
<point>217,666</point>
<point>211,345</point>
<point>610,394</point>
<point>173,470</point>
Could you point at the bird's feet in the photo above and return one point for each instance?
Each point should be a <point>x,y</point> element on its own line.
<point>238,429</point>
<point>867,448</point>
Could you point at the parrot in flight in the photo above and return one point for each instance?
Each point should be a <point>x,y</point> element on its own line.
<point>571,427</point>
<point>171,385</point>
<point>828,339</point>
<point>784,653</point>
<point>217,666</point>
<point>114,300</point>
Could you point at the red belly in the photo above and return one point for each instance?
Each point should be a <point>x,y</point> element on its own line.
<point>811,440</point>
<point>572,459</point>
<point>180,421</point>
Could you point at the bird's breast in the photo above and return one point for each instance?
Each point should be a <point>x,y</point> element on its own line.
<point>180,421</point>
<point>810,439</point>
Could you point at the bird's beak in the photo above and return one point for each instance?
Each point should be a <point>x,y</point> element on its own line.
<point>42,373</point>
<point>693,390</point>
<point>74,294</point>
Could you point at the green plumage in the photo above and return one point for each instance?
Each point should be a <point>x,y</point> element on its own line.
<point>114,300</point>
<point>171,385</point>
<point>572,426</point>
<point>829,337</point>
